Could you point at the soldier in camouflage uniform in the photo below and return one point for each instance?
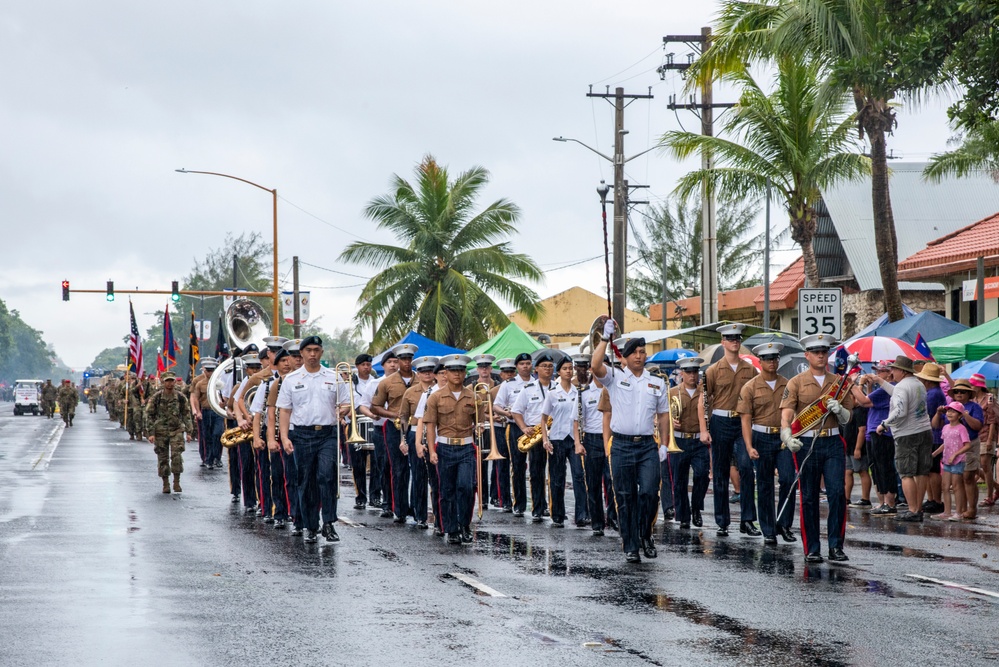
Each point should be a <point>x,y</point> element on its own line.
<point>67,397</point>
<point>48,399</point>
<point>137,392</point>
<point>93,393</point>
<point>168,416</point>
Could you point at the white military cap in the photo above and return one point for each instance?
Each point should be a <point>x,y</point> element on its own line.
<point>292,345</point>
<point>483,359</point>
<point>731,329</point>
<point>275,342</point>
<point>581,359</point>
<point>818,342</point>
<point>404,350</point>
<point>689,363</point>
<point>425,363</point>
<point>209,362</point>
<point>768,349</point>
<point>507,365</point>
<point>251,360</point>
<point>455,361</point>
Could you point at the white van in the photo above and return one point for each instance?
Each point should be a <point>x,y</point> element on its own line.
<point>27,395</point>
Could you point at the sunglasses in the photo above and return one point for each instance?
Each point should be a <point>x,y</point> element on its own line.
<point>770,358</point>
<point>960,391</point>
<point>732,339</point>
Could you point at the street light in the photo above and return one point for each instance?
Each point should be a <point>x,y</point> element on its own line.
<point>276,322</point>
<point>620,212</point>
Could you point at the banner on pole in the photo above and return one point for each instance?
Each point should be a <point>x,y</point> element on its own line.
<point>288,307</point>
<point>229,298</point>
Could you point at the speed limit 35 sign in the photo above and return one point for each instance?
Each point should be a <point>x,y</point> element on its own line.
<point>820,311</point>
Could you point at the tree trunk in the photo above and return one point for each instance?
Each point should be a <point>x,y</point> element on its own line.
<point>877,125</point>
<point>803,225</point>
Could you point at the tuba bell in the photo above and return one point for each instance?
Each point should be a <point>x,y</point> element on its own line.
<point>245,323</point>
<point>590,340</point>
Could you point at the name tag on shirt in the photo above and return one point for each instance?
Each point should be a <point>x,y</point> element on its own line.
<point>329,386</point>
<point>535,398</point>
<point>298,387</point>
<point>626,386</point>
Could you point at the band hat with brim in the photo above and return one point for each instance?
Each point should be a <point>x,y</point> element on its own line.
<point>274,342</point>
<point>930,373</point>
<point>294,345</point>
<point>455,362</point>
<point>425,364</point>
<point>403,350</point>
<point>818,342</point>
<point>734,329</point>
<point>310,340</point>
<point>768,350</point>
<point>690,363</point>
<point>523,356</point>
<point>507,364</point>
<point>251,348</point>
<point>209,363</point>
<point>251,360</point>
<point>903,363</point>
<point>484,359</point>
<point>581,359</point>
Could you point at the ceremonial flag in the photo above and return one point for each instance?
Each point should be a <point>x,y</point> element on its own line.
<point>840,359</point>
<point>134,346</point>
<point>169,344</point>
<point>922,348</point>
<point>160,365</point>
<point>221,348</point>
<point>193,351</point>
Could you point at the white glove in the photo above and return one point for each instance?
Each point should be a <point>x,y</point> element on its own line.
<point>662,453</point>
<point>835,407</point>
<point>609,327</point>
<point>792,443</point>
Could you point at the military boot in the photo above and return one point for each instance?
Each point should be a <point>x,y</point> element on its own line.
<point>176,482</point>
<point>166,484</point>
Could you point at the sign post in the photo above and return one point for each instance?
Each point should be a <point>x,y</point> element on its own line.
<point>820,311</point>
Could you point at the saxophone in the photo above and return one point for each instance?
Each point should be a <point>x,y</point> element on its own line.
<point>531,438</point>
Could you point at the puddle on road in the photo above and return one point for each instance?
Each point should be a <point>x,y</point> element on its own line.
<point>538,559</point>
<point>133,519</point>
<point>911,552</point>
<point>386,554</point>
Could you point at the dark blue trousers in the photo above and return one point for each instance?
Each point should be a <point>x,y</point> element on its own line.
<point>316,461</point>
<point>381,484</point>
<point>291,488</point>
<point>435,492</point>
<point>359,470</point>
<point>594,467</point>
<point>772,458</point>
<point>456,467</point>
<point>211,427</point>
<point>537,459</point>
<point>518,469</point>
<point>235,476</point>
<point>827,462</point>
<point>635,469</point>
<point>726,442</point>
<point>399,467</point>
<point>418,471</point>
<point>263,472</point>
<point>580,511</point>
<point>247,473</point>
<point>666,496</point>
<point>694,457</point>
<point>501,469</point>
<point>561,450</point>
<point>278,491</point>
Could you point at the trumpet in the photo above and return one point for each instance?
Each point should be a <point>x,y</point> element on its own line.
<point>675,412</point>
<point>481,391</point>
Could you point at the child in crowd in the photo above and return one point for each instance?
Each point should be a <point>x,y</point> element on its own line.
<point>956,443</point>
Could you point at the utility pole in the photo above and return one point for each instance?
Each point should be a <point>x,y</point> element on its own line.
<point>665,268</point>
<point>620,200</point>
<point>709,241</point>
<point>297,312</point>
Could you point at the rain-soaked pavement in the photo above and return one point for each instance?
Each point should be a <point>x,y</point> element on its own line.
<point>99,567</point>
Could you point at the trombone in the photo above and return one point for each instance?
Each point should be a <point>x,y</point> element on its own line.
<point>353,438</point>
<point>481,391</point>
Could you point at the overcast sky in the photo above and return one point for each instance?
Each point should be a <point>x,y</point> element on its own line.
<point>323,101</point>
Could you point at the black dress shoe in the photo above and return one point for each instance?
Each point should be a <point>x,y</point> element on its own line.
<point>558,524</point>
<point>612,524</point>
<point>280,524</point>
<point>722,532</point>
<point>507,510</point>
<point>518,513</point>
<point>310,537</point>
<point>422,525</point>
<point>787,535</point>
<point>453,538</point>
<point>684,526</point>
<point>329,532</point>
<point>438,532</point>
<point>537,519</point>
<point>268,519</point>
<point>695,518</point>
<point>813,558</point>
<point>598,532</point>
<point>359,506</point>
<point>296,531</point>
<point>466,536</point>
<point>386,514</point>
<point>375,502</point>
<point>399,519</point>
<point>649,549</point>
<point>235,498</point>
<point>770,540</point>
<point>633,557</point>
<point>670,514</point>
<point>838,556</point>
<point>749,528</point>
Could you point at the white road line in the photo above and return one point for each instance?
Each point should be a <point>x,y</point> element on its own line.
<point>477,585</point>
<point>46,452</point>
<point>345,520</point>
<point>951,584</point>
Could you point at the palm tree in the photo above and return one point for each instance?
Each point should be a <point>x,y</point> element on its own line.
<point>673,229</point>
<point>795,139</point>
<point>979,151</point>
<point>848,39</point>
<point>440,277</point>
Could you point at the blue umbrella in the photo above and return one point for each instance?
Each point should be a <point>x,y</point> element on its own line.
<point>987,368</point>
<point>671,355</point>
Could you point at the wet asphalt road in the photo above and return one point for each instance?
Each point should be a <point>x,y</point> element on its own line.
<point>99,567</point>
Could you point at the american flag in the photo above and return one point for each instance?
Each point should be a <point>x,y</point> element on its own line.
<point>134,346</point>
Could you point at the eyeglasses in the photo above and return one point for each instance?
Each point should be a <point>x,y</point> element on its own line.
<point>689,370</point>
<point>770,358</point>
<point>960,391</point>
<point>545,366</point>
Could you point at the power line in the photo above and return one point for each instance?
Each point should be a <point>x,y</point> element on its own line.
<point>323,268</point>
<point>641,60</point>
<point>582,261</point>
<point>325,222</point>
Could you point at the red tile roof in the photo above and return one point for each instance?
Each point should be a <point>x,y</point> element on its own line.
<point>784,288</point>
<point>955,253</point>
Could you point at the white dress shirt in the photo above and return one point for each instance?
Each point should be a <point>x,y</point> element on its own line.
<point>593,419</point>
<point>561,406</point>
<point>635,401</point>
<point>507,394</point>
<point>313,398</point>
<point>529,402</point>
<point>369,394</point>
<point>421,407</point>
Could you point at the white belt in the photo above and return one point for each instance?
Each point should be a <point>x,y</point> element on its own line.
<point>769,430</point>
<point>725,413</point>
<point>412,429</point>
<point>454,441</point>
<point>824,433</point>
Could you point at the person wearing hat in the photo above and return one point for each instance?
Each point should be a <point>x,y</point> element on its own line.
<point>137,391</point>
<point>507,369</point>
<point>208,423</point>
<point>591,448</point>
<point>168,415</point>
<point>638,401</point>
<point>47,399</point>
<point>270,469</point>
<point>359,457</point>
<point>932,377</point>
<point>513,486</point>
<point>261,456</point>
<point>759,410</point>
<point>721,428</point>
<point>973,420</point>
<point>412,443</point>
<point>245,451</point>
<point>483,370</point>
<point>580,508</point>
<point>311,399</point>
<point>67,398</point>
<point>526,413</point>
<point>284,473</point>
<point>987,436</point>
<point>694,455</point>
<point>818,452</point>
<point>450,422</point>
<point>387,403</point>
<point>910,425</point>
<point>499,479</point>
<point>869,393</point>
<point>440,381</point>
<point>561,405</point>
<point>380,490</point>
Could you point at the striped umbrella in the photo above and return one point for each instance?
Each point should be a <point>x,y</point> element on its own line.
<point>875,348</point>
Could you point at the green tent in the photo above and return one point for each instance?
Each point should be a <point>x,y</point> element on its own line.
<point>970,345</point>
<point>508,343</point>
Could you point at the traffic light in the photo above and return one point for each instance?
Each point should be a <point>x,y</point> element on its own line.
<point>174,292</point>
<point>65,290</point>
<point>110,296</point>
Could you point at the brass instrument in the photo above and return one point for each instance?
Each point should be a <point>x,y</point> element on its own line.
<point>481,391</point>
<point>238,435</point>
<point>531,438</point>
<point>353,438</point>
<point>590,340</point>
<point>675,412</point>
<point>816,412</point>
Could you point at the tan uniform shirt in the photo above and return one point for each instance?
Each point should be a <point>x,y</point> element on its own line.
<point>409,402</point>
<point>724,384</point>
<point>802,390</point>
<point>455,418</point>
<point>761,402</point>
<point>604,404</point>
<point>391,390</point>
<point>689,422</point>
